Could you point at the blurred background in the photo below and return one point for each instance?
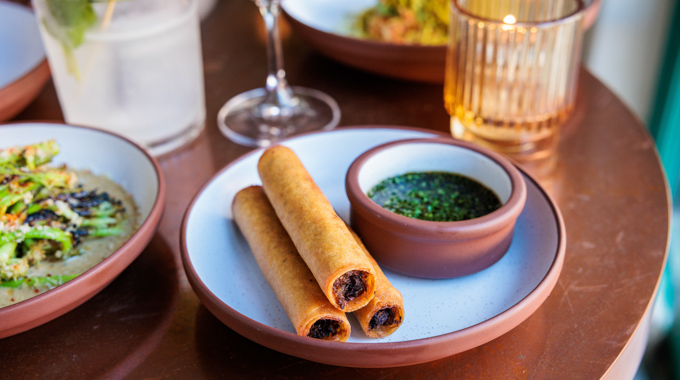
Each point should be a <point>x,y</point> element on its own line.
<point>633,48</point>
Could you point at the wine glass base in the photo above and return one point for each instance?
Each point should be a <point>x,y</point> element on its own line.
<point>243,121</point>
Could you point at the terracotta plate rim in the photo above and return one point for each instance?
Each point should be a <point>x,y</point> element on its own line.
<point>16,94</point>
<point>33,71</point>
<point>376,355</point>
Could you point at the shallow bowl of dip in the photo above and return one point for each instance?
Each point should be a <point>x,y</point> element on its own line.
<point>432,248</point>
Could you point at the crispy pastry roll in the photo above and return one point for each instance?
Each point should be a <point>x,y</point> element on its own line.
<point>342,270</point>
<point>385,312</point>
<point>287,274</point>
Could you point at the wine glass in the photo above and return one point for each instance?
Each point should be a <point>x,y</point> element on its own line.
<point>262,116</point>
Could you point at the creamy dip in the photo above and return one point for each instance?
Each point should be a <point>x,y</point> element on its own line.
<point>94,250</point>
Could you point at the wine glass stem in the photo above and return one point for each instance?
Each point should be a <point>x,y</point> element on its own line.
<point>277,86</point>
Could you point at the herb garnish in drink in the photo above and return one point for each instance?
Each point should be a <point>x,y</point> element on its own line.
<point>435,196</point>
<point>69,21</point>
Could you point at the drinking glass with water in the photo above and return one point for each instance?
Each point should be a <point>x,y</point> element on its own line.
<point>132,67</point>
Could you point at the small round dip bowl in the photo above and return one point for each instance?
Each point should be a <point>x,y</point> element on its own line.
<point>431,249</point>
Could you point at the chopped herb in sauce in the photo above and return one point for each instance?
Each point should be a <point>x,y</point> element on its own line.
<point>435,196</point>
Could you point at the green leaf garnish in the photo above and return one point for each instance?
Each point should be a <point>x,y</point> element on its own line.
<point>68,22</point>
<point>48,281</point>
<point>73,17</point>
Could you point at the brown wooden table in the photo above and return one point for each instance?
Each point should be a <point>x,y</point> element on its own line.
<point>608,183</point>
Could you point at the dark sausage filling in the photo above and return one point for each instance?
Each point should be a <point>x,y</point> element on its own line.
<point>349,286</point>
<point>383,317</point>
<point>324,328</point>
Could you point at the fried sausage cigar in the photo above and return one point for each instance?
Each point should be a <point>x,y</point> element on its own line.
<point>385,312</point>
<point>305,304</point>
<point>342,270</point>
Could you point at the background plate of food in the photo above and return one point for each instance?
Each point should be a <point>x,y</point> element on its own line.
<point>399,39</point>
<point>440,317</point>
<point>77,206</point>
<point>23,66</point>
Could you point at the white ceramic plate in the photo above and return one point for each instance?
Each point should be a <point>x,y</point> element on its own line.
<point>102,153</point>
<point>23,66</point>
<point>21,48</point>
<point>20,44</point>
<point>330,16</point>
<point>446,316</point>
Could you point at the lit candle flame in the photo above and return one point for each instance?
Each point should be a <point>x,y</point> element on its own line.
<point>508,21</point>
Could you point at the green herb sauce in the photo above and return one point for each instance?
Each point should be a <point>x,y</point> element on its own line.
<point>435,196</point>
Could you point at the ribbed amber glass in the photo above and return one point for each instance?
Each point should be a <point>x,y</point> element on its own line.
<point>512,69</point>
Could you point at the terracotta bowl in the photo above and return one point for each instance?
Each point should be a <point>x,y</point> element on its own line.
<point>23,66</point>
<point>434,249</point>
<point>102,153</point>
<point>326,26</point>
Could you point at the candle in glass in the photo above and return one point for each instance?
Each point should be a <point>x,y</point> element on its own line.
<point>512,69</point>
